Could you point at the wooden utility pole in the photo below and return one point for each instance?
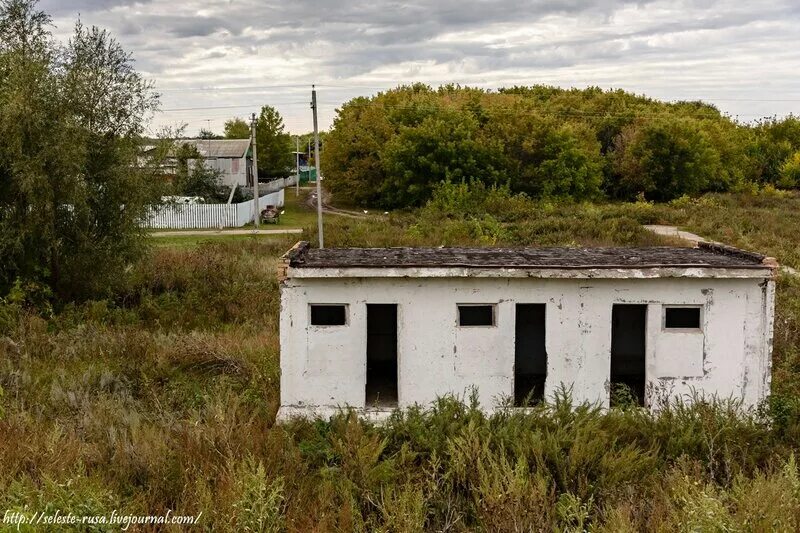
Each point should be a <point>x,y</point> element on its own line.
<point>297,165</point>
<point>257,211</point>
<point>319,167</point>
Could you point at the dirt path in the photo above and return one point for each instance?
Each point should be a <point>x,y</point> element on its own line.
<point>311,202</point>
<point>217,232</point>
<point>673,231</point>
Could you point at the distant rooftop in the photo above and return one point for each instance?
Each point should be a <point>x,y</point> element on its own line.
<point>705,256</point>
<point>224,148</point>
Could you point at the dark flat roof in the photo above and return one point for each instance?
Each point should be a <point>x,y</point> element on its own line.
<point>706,256</point>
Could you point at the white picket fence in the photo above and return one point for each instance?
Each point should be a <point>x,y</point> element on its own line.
<point>197,216</point>
<point>276,185</point>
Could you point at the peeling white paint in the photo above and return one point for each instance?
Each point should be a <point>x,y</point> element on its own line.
<point>324,368</point>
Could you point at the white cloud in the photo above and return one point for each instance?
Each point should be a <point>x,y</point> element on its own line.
<point>741,56</point>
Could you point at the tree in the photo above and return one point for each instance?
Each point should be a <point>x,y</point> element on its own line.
<point>663,159</point>
<point>390,149</point>
<point>790,172</point>
<point>237,128</point>
<point>73,188</point>
<point>445,146</point>
<point>352,163</point>
<point>550,159</point>
<point>776,142</point>
<point>207,134</point>
<point>274,147</point>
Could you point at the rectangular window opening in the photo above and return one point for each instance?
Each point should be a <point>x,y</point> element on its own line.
<point>628,342</point>
<point>328,314</point>
<point>530,355</point>
<point>381,387</point>
<point>475,315</point>
<point>681,317</point>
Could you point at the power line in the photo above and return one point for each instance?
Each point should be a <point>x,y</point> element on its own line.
<point>202,108</point>
<point>391,86</point>
<point>410,106</point>
<point>738,100</point>
<point>211,88</point>
<point>491,110</point>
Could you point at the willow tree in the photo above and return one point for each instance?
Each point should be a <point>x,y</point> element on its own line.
<point>73,187</point>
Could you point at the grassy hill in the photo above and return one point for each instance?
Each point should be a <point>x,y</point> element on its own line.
<point>165,398</point>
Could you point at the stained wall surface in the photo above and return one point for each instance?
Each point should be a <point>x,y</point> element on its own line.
<point>324,367</point>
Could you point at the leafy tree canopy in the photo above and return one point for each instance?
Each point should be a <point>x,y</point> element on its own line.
<point>394,148</point>
<point>237,128</point>
<point>664,159</point>
<point>274,146</point>
<point>73,186</point>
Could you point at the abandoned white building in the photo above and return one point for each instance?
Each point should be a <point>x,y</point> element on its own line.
<point>375,329</point>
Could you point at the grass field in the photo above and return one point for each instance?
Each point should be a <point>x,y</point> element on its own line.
<point>297,214</point>
<point>165,398</point>
<point>192,241</point>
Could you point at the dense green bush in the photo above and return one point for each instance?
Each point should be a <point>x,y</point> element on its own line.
<point>776,142</point>
<point>392,149</point>
<point>663,160</point>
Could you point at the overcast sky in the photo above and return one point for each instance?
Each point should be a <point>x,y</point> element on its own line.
<point>742,56</point>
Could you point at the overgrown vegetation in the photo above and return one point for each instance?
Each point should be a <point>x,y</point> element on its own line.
<point>158,391</point>
<point>164,397</point>
<point>392,149</point>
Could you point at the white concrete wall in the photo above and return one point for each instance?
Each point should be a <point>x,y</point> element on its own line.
<point>325,367</point>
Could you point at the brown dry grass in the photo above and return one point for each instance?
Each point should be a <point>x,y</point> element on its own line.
<point>166,397</point>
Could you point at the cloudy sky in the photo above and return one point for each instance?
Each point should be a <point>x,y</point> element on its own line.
<point>213,59</point>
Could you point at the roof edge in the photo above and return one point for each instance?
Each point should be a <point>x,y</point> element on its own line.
<point>759,272</point>
<point>295,257</point>
<point>724,249</point>
<point>292,256</point>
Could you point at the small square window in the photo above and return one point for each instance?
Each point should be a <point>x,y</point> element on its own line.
<point>328,314</point>
<point>682,318</point>
<point>475,315</point>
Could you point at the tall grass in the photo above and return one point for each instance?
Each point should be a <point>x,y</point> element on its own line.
<point>165,398</point>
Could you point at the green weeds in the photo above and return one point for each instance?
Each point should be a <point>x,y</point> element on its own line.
<point>164,397</point>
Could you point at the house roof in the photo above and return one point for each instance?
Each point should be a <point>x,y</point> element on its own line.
<point>221,148</point>
<point>707,255</point>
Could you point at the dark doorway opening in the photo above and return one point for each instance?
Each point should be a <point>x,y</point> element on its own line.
<point>628,332</point>
<point>381,387</point>
<point>530,355</point>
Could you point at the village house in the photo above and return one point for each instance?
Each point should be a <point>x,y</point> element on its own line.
<point>378,329</point>
<point>231,157</point>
